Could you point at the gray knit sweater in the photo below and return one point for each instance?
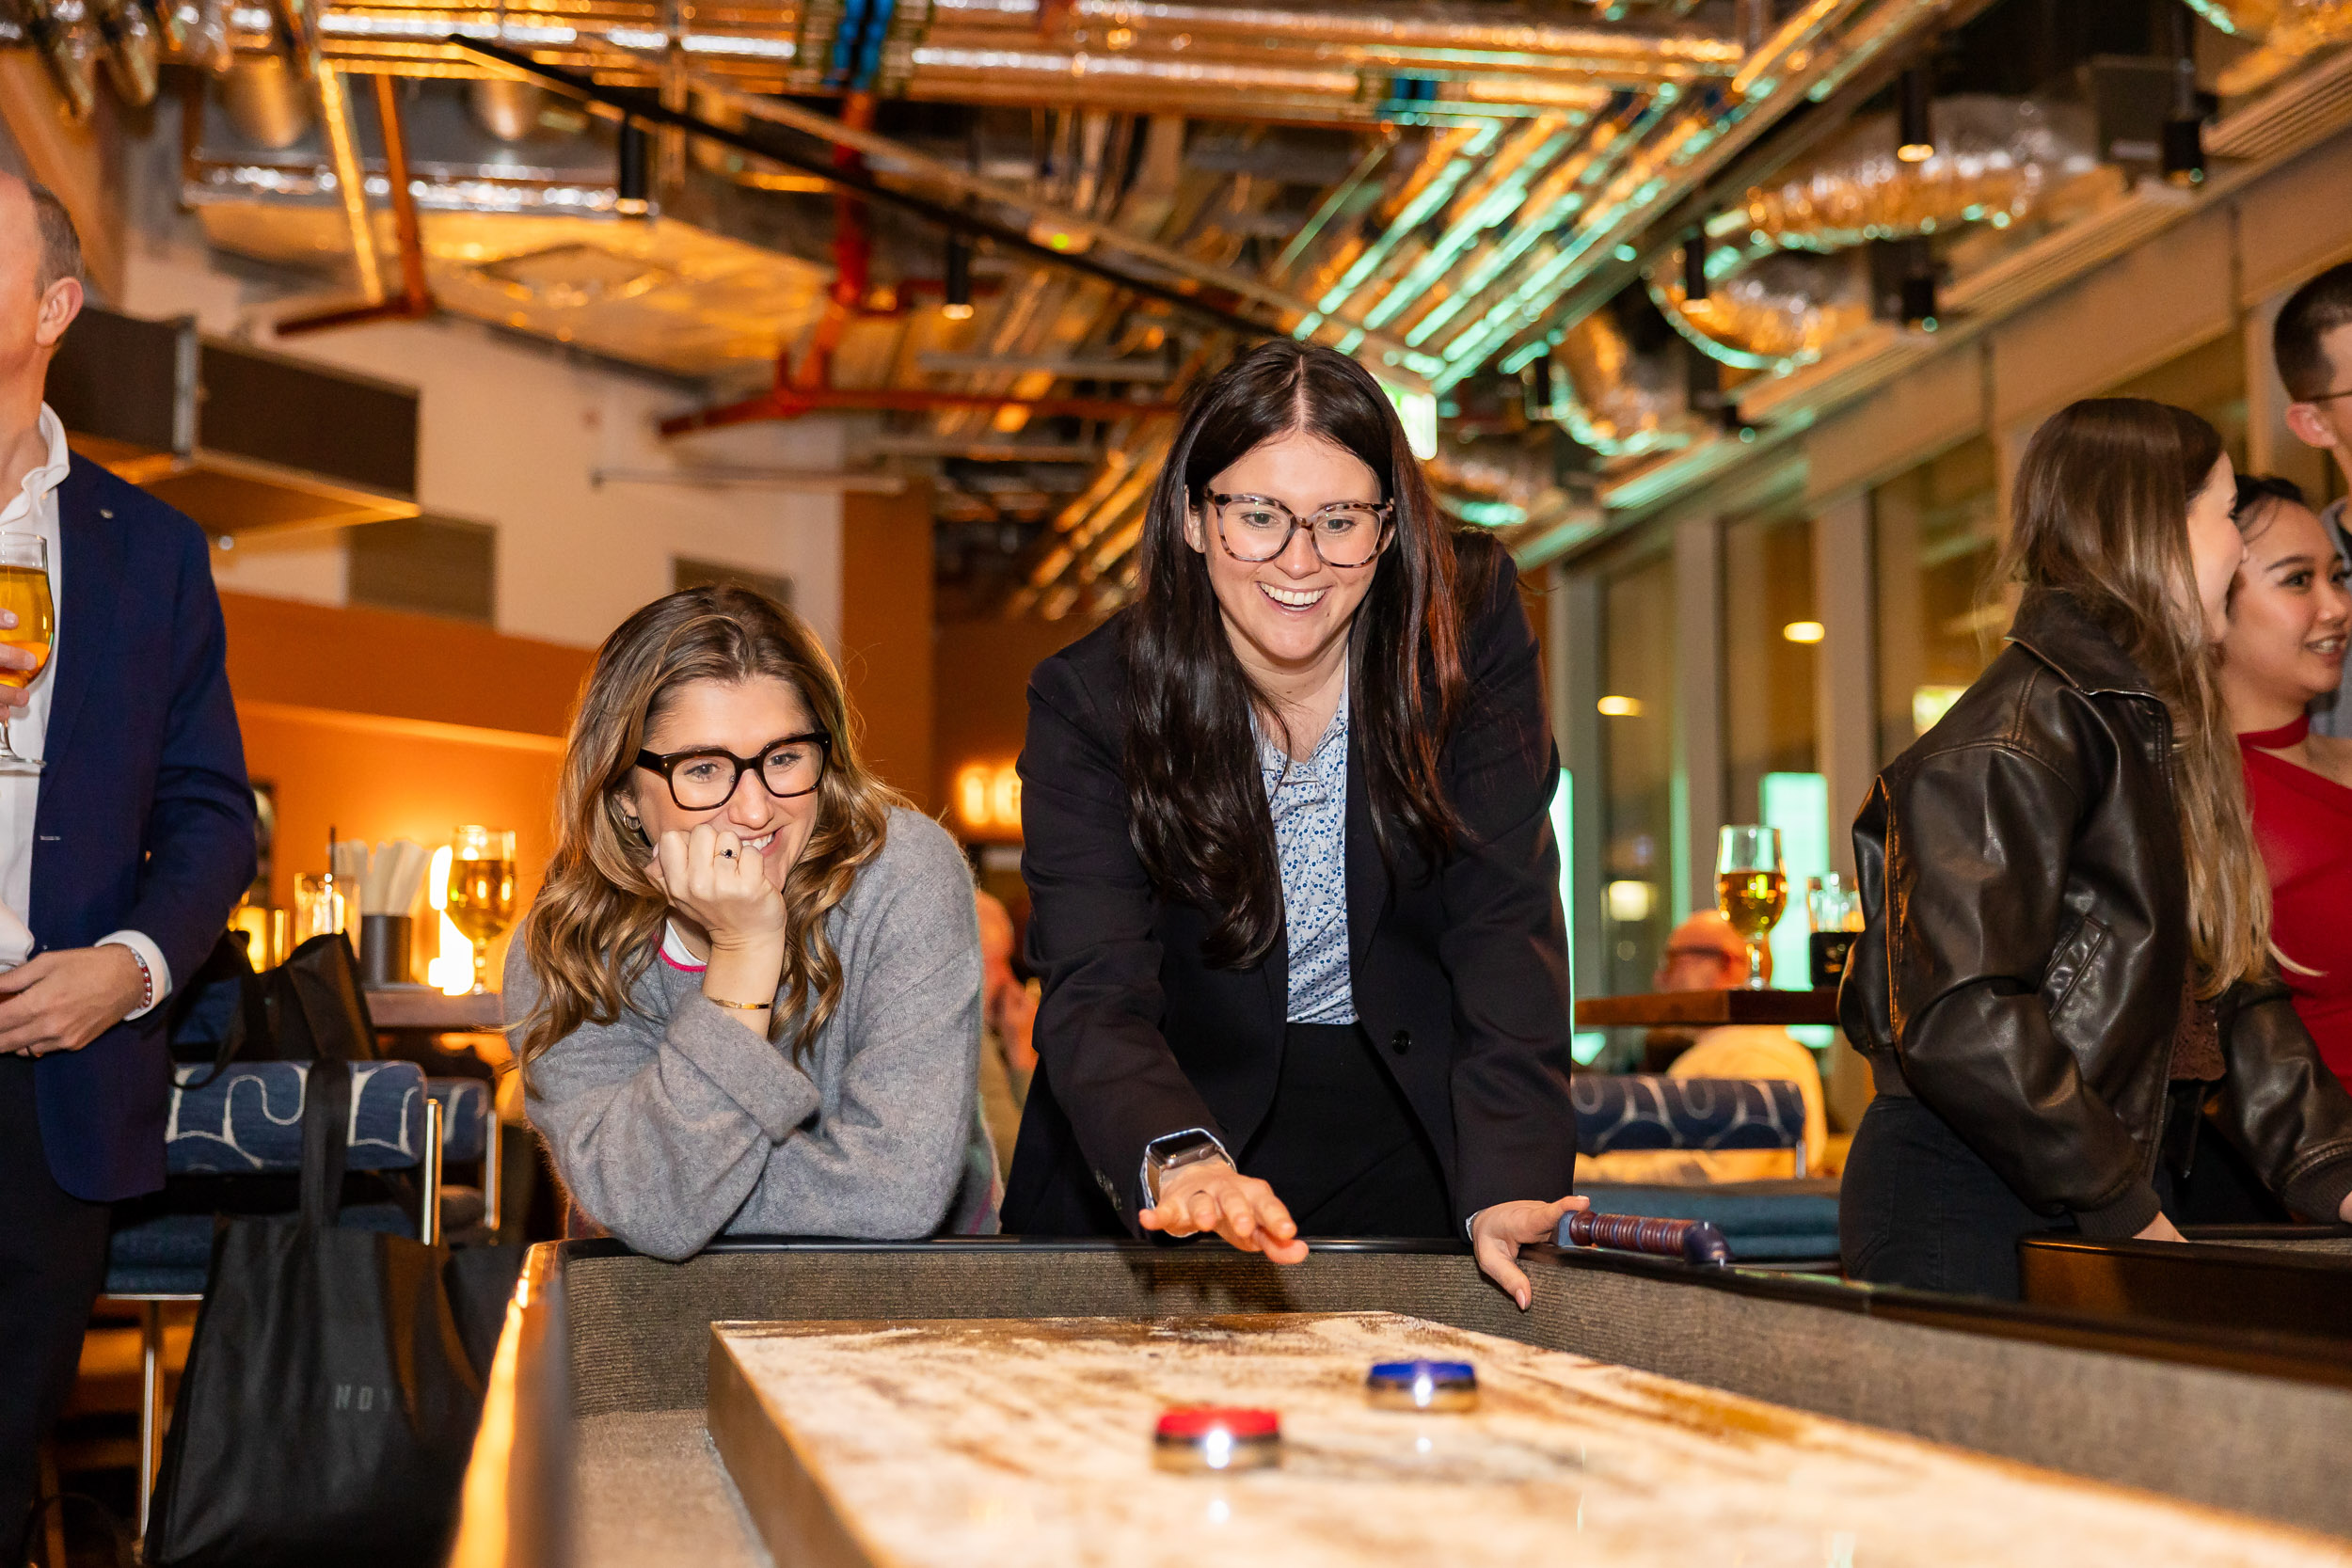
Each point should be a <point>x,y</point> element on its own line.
<point>675,1122</point>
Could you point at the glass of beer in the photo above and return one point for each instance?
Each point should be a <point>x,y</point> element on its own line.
<point>1751,888</point>
<point>481,889</point>
<point>24,591</point>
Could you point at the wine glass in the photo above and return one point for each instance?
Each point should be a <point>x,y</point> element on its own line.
<point>481,892</point>
<point>1751,888</point>
<point>24,589</point>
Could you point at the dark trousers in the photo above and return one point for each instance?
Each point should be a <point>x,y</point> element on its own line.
<point>52,1259</point>
<point>1918,1208</point>
<point>1342,1148</point>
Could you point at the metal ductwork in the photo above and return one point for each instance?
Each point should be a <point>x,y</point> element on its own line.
<point>246,443</point>
<point>1775,314</point>
<point>1612,401</point>
<point>1996,159</point>
<point>2288,32</point>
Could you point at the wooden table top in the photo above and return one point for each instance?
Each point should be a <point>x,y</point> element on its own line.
<point>1707,1008</point>
<point>423,1008</point>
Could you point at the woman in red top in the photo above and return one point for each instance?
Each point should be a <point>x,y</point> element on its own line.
<point>2288,614</point>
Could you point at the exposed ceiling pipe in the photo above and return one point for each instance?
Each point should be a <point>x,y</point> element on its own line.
<point>791,402</point>
<point>1995,160</point>
<point>1776,315</point>
<point>68,69</point>
<point>1611,402</point>
<point>415,300</point>
<point>933,171</point>
<point>2287,31</point>
<point>298,20</point>
<point>130,48</point>
<point>267,102</point>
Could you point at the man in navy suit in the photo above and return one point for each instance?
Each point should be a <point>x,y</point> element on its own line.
<point>119,860</point>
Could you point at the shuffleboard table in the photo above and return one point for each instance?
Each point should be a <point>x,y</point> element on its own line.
<point>993,1400</point>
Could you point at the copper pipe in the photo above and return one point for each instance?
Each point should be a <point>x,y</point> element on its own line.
<point>298,21</point>
<point>791,402</point>
<point>414,291</point>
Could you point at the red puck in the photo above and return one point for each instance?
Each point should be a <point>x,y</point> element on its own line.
<point>1194,1421</point>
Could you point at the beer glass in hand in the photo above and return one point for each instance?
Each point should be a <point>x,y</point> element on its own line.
<point>1751,888</point>
<point>481,892</point>
<point>24,591</point>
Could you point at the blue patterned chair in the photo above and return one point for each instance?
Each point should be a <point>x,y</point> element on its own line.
<point>1764,1221</point>
<point>246,1121</point>
<point>1653,1111</point>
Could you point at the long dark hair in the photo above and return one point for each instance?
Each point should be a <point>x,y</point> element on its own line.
<point>2102,515</point>
<point>1198,808</point>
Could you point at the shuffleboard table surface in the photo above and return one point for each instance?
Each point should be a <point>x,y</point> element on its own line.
<point>1026,1443</point>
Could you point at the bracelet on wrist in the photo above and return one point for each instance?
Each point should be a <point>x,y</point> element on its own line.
<point>739,1007</point>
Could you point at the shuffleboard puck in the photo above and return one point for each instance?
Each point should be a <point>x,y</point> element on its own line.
<point>1217,1439</point>
<point>1422,1385</point>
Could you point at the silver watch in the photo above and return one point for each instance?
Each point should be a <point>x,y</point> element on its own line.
<point>1173,1152</point>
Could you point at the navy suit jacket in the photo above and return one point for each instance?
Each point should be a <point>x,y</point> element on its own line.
<point>145,820</point>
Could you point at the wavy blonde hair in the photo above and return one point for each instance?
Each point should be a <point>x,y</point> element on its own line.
<point>597,920</point>
<point>2102,512</point>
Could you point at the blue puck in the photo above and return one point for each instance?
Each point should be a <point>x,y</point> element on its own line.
<point>1422,1386</point>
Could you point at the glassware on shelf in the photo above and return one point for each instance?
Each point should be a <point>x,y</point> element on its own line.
<point>319,905</point>
<point>1751,888</point>
<point>1832,907</point>
<point>481,892</point>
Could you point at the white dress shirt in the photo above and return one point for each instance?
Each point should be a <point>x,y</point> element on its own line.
<point>34,511</point>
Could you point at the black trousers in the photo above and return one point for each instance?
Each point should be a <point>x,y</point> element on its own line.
<point>1340,1146</point>
<point>1918,1208</point>
<point>52,1259</point>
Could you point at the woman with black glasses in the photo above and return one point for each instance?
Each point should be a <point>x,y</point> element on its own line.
<point>748,995</point>
<point>1295,894</point>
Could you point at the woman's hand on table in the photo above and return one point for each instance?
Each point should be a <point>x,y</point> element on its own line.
<point>1500,1229</point>
<point>1212,1195</point>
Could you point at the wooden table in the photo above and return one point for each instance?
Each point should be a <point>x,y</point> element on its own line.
<point>1708,1009</point>
<point>423,1007</point>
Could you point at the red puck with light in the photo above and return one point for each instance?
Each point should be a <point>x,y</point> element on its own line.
<point>1217,1439</point>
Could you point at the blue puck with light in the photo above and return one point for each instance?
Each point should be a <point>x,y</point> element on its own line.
<point>1422,1386</point>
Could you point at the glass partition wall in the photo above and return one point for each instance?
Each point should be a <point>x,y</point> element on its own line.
<point>1935,545</point>
<point>1639,660</point>
<point>1771,638</point>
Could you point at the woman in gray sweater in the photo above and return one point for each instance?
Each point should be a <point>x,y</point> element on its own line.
<point>747,998</point>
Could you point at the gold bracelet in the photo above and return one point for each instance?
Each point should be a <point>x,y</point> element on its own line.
<point>739,1007</point>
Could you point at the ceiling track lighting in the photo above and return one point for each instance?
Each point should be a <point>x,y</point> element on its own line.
<point>1915,139</point>
<point>633,188</point>
<point>956,271</point>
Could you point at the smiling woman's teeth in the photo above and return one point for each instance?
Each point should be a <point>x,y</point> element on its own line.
<point>760,843</point>
<point>1294,598</point>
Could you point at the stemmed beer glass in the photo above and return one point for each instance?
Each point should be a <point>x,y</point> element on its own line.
<point>1751,888</point>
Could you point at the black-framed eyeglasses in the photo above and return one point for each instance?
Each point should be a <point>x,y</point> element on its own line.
<point>1259,528</point>
<point>2326,397</point>
<point>704,778</point>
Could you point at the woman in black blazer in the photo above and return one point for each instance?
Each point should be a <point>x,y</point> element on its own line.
<point>1295,892</point>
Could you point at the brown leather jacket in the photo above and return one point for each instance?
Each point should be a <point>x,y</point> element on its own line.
<point>2022,971</point>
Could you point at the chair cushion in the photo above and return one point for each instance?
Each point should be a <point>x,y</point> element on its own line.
<point>464,1115</point>
<point>1764,1221</point>
<point>249,1118</point>
<point>1653,1111</point>
<point>173,1254</point>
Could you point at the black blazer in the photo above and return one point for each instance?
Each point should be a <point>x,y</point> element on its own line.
<point>1461,977</point>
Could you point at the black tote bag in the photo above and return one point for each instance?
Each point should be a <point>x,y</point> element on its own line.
<point>309,1006</point>
<point>329,1400</point>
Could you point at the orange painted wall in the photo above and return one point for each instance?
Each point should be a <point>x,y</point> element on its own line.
<point>385,726</point>
<point>982,692</point>
<point>886,642</point>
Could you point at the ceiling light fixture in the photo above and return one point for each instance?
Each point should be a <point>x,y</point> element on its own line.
<point>632,196</point>
<point>1915,139</point>
<point>957,271</point>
